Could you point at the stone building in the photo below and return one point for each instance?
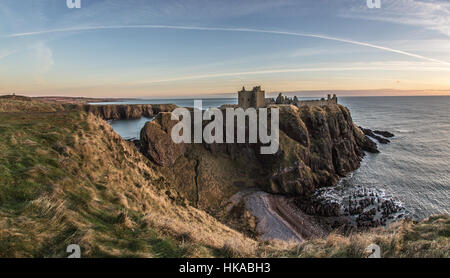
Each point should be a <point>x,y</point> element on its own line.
<point>254,98</point>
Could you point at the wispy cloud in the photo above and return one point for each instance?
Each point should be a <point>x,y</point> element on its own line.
<point>432,14</point>
<point>317,36</point>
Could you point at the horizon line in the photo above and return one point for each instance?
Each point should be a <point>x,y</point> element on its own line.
<point>389,93</point>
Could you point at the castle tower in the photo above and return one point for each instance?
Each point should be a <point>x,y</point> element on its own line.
<point>254,98</point>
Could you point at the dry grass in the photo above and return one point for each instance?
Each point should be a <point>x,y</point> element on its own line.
<point>407,239</point>
<point>98,191</point>
<point>12,105</point>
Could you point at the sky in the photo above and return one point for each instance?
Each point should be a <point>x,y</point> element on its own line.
<point>182,48</point>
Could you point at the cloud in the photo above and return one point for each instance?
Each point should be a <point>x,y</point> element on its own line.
<point>251,30</point>
<point>432,15</point>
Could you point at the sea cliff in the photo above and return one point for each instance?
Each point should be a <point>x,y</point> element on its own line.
<point>318,146</point>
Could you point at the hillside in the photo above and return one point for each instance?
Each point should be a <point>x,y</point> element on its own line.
<point>66,177</point>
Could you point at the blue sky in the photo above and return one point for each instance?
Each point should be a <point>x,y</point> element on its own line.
<point>145,48</point>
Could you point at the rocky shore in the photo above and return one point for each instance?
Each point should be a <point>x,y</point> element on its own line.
<point>298,219</point>
<point>352,207</point>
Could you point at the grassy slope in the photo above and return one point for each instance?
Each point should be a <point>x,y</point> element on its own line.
<point>66,177</point>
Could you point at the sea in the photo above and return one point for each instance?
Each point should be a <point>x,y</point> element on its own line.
<point>414,168</point>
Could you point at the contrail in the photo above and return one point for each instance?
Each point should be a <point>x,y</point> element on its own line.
<point>249,30</point>
<point>259,72</point>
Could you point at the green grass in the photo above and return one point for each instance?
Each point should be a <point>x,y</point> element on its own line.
<point>29,166</point>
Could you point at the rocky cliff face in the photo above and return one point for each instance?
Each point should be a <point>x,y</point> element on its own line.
<point>157,143</point>
<point>318,146</point>
<point>124,111</point>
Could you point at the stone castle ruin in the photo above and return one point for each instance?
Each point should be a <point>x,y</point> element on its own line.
<point>256,99</point>
<point>295,101</point>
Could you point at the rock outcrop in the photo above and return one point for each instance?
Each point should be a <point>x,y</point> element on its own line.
<point>156,141</point>
<point>318,146</point>
<point>322,145</point>
<point>352,207</point>
<point>372,134</point>
<point>386,134</point>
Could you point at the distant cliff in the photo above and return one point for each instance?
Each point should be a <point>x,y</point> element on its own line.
<point>318,146</point>
<point>124,111</point>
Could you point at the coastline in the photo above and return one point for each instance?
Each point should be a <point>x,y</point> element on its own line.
<point>103,184</point>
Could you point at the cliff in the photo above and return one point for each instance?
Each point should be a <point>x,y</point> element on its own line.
<point>124,111</point>
<point>318,146</point>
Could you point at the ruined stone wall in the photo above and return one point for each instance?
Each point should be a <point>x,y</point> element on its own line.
<point>244,100</point>
<point>253,98</point>
<point>313,102</point>
<point>260,98</point>
<point>320,102</point>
